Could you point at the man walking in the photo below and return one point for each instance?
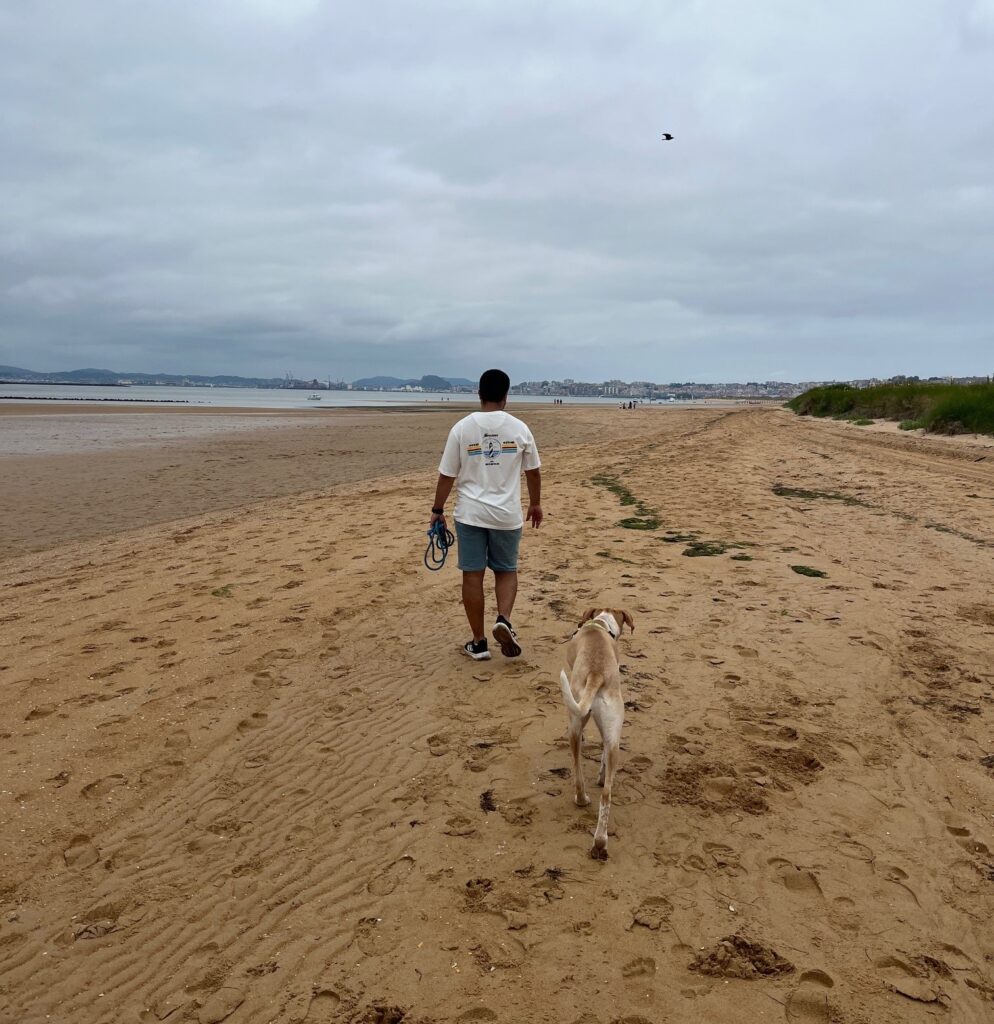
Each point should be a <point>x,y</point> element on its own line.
<point>484,455</point>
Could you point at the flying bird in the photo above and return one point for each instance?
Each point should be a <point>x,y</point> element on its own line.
<point>667,136</point>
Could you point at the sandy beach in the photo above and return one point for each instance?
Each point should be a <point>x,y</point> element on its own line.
<point>76,473</point>
<point>248,777</point>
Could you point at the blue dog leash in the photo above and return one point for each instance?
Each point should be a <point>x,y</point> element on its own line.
<point>439,541</point>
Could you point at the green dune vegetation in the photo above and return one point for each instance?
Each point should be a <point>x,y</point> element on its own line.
<point>939,408</point>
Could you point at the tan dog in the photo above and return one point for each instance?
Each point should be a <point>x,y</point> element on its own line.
<point>593,687</point>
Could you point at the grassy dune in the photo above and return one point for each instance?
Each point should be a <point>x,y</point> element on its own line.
<point>940,408</point>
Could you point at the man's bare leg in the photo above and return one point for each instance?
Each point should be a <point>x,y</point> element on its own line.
<point>506,587</point>
<point>472,600</point>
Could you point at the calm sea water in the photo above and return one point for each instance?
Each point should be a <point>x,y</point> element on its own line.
<point>252,398</point>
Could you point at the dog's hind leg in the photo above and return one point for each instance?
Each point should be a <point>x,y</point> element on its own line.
<point>611,732</point>
<point>576,749</point>
<point>600,776</point>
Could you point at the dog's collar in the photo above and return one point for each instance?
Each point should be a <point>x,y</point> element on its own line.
<point>602,625</point>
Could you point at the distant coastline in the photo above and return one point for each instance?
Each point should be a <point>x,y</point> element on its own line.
<point>433,384</point>
<point>70,383</point>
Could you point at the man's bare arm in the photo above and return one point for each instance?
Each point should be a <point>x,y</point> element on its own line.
<point>533,478</point>
<point>442,491</point>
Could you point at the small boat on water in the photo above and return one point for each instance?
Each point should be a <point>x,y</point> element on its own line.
<point>313,398</point>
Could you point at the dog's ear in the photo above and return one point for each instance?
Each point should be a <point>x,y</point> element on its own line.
<point>588,615</point>
<point>622,616</point>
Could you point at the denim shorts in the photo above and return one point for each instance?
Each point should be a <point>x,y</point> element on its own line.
<point>480,547</point>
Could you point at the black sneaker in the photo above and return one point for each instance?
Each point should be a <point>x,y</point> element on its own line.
<point>503,633</point>
<point>477,650</point>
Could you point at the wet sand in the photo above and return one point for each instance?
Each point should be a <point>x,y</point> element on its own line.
<point>248,776</point>
<point>74,475</point>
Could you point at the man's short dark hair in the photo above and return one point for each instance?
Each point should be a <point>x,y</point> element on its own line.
<point>494,386</point>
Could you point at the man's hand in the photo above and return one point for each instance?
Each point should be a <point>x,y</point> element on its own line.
<point>442,490</point>
<point>534,515</point>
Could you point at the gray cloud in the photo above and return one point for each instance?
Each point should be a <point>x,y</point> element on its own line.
<point>266,185</point>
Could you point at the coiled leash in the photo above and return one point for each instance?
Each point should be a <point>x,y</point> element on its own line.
<point>439,541</point>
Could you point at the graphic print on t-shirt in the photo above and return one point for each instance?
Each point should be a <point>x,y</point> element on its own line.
<point>491,448</point>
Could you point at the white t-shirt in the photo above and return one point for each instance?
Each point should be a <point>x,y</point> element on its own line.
<point>486,452</point>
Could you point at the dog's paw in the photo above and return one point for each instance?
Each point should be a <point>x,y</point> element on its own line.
<point>581,801</point>
<point>598,852</point>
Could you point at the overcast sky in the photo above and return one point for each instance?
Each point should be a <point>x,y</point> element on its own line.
<point>343,189</point>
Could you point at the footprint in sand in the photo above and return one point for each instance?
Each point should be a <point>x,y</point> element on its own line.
<point>808,1003</point>
<point>974,846</point>
<point>718,787</point>
<point>517,815</point>
<point>438,745</point>
<point>964,839</point>
<point>255,721</point>
<point>639,967</point>
<point>844,914</point>
<point>323,1006</point>
<point>41,711</point>
<point>459,825</point>
<point>899,877</point>
<point>221,1005</point>
<point>724,859</point>
<point>385,883</point>
<point>795,879</point>
<point>856,851</point>
<point>770,733</point>
<point>913,982</point>
<point>81,853</point>
<point>652,913</point>
<point>637,764</point>
<point>95,790</point>
<point>372,938</point>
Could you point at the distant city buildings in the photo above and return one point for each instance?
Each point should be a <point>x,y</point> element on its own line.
<point>649,391</point>
<point>623,391</point>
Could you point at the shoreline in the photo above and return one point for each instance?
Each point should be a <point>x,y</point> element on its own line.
<point>11,404</point>
<point>112,471</point>
<point>108,475</point>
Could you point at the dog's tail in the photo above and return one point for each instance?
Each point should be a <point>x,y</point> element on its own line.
<point>590,690</point>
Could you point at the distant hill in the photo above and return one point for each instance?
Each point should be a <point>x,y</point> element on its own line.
<point>92,375</point>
